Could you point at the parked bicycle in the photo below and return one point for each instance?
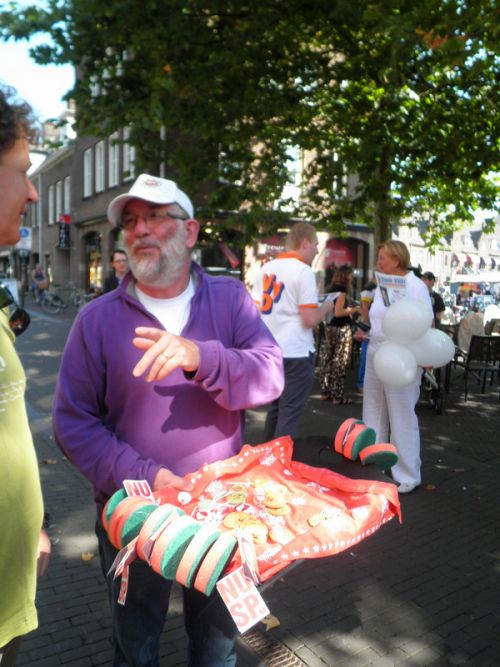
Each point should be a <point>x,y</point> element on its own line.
<point>54,302</point>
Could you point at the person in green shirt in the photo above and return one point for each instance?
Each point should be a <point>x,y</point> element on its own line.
<point>24,546</point>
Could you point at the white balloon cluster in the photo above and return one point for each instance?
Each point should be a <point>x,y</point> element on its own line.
<point>412,343</point>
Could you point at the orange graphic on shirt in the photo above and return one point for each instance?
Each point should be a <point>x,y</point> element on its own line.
<point>272,291</point>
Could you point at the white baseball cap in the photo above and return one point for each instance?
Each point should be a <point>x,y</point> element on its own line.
<point>152,189</point>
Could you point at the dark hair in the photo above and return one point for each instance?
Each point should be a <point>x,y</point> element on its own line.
<point>416,270</point>
<point>120,250</point>
<point>342,275</point>
<point>16,120</point>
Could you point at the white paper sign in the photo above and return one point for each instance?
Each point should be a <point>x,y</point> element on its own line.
<point>392,288</point>
<point>138,487</point>
<point>244,602</point>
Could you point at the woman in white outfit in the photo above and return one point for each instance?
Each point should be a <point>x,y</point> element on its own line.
<point>390,411</point>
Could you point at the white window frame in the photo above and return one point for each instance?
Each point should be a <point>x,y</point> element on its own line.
<point>59,200</point>
<point>32,216</point>
<point>51,204</point>
<point>113,160</point>
<point>99,166</point>
<point>67,195</point>
<point>88,172</point>
<point>128,157</point>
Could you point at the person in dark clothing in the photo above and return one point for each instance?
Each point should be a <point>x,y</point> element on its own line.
<point>119,262</point>
<point>335,353</point>
<point>438,306</point>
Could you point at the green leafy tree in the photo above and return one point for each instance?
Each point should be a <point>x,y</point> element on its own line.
<point>399,95</point>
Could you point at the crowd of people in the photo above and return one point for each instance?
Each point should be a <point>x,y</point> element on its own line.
<point>155,377</point>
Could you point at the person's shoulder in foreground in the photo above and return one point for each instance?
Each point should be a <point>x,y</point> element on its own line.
<point>25,547</point>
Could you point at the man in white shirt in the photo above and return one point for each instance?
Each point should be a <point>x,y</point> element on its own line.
<point>286,294</point>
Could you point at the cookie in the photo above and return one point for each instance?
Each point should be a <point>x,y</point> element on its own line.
<point>235,520</point>
<point>316,519</point>
<point>278,511</point>
<point>248,523</point>
<point>257,531</point>
<point>236,498</point>
<point>275,496</point>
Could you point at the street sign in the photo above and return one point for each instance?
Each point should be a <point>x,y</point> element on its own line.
<point>24,242</point>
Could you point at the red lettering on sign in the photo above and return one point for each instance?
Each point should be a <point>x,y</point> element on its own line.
<point>238,612</point>
<point>242,599</point>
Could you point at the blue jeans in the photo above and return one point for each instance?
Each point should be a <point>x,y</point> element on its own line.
<point>362,365</point>
<point>138,625</point>
<point>284,413</point>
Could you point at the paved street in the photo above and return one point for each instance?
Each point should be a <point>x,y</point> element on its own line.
<point>422,593</point>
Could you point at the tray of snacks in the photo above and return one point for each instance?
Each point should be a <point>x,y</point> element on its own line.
<point>286,509</point>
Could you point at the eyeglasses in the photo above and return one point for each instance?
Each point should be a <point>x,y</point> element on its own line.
<point>19,319</point>
<point>153,219</point>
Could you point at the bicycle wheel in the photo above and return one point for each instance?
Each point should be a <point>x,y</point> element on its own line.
<point>52,303</point>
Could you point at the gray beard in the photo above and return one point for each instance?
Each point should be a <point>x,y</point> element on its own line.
<point>165,271</point>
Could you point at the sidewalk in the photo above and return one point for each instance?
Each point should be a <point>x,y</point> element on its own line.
<point>421,593</point>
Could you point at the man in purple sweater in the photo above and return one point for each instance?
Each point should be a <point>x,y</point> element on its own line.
<point>154,381</point>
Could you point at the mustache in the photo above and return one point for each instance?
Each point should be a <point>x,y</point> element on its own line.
<point>139,245</point>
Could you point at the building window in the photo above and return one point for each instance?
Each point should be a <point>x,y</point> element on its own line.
<point>88,172</point>
<point>51,208</point>
<point>128,156</point>
<point>59,200</point>
<point>99,166</point>
<point>67,195</point>
<point>32,215</point>
<point>113,159</point>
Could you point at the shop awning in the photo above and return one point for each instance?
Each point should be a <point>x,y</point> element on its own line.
<point>482,277</point>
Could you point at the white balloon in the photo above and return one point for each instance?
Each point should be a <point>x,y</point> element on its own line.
<point>406,319</point>
<point>435,348</point>
<point>394,364</point>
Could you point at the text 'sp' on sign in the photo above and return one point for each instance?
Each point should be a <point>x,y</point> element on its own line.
<point>244,602</point>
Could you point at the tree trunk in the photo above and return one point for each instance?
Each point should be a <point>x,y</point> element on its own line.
<point>382,206</point>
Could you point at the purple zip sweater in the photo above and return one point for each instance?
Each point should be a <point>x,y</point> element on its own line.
<point>113,426</point>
